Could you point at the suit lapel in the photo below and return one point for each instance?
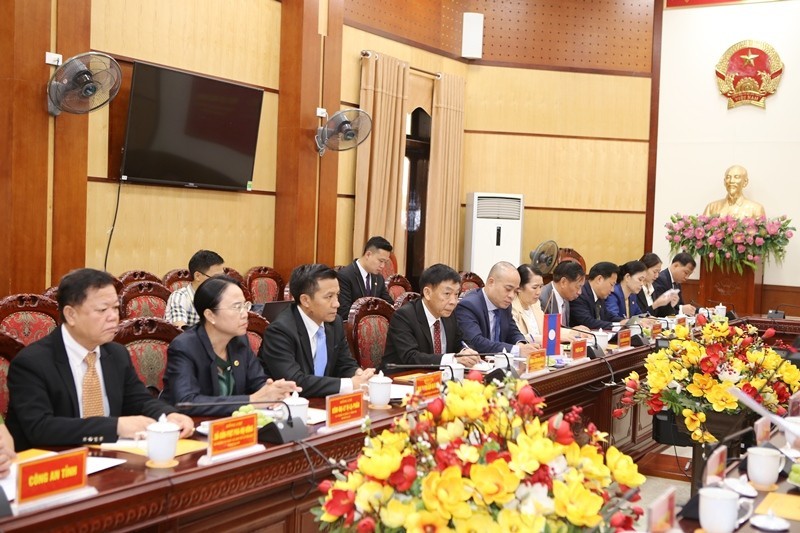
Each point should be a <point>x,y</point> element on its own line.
<point>209,353</point>
<point>423,326</point>
<point>64,370</point>
<point>305,342</point>
<point>112,381</point>
<point>329,342</point>
<point>358,281</point>
<point>484,314</point>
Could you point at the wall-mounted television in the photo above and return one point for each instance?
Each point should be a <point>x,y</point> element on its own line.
<point>188,130</point>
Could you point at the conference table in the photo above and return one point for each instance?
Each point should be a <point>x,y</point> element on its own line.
<point>274,491</point>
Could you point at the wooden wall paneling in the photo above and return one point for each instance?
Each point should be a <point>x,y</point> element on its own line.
<point>264,168</point>
<point>344,238</point>
<point>297,161</point>
<point>329,163</point>
<point>97,159</point>
<point>73,20</point>
<point>25,27</point>
<point>780,297</point>
<point>652,157</point>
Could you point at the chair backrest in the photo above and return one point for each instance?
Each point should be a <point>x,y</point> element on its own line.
<point>397,284</point>
<point>147,339</point>
<point>177,278</point>
<point>287,294</point>
<point>132,276</point>
<point>265,284</point>
<point>52,293</point>
<point>4,396</point>
<point>390,267</point>
<point>233,273</point>
<point>367,327</point>
<point>9,346</point>
<point>28,317</point>
<point>469,281</point>
<point>144,299</point>
<point>405,298</point>
<point>256,325</point>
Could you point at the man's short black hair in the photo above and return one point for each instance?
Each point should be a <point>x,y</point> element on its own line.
<point>74,287</point>
<point>377,243</point>
<point>572,270</point>
<point>684,259</point>
<point>202,260</point>
<point>436,274</point>
<point>606,269</point>
<point>305,279</point>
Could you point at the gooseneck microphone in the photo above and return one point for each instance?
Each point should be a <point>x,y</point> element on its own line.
<point>592,351</point>
<point>777,313</point>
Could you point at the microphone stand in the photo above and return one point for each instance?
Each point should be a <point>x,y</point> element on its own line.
<point>777,313</point>
<point>637,339</point>
<point>595,352</point>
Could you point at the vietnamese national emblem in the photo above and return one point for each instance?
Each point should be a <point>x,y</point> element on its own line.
<point>748,72</point>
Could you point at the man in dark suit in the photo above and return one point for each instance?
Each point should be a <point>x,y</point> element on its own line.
<point>75,386</point>
<point>568,281</point>
<point>679,270</point>
<point>306,343</point>
<point>484,315</point>
<point>589,308</point>
<point>362,277</point>
<point>424,332</point>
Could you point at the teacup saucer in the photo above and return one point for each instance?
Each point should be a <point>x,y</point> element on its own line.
<point>740,486</point>
<point>762,488</point>
<point>380,407</point>
<point>161,464</point>
<point>769,522</point>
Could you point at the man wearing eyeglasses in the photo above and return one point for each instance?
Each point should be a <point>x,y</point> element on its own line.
<point>180,305</point>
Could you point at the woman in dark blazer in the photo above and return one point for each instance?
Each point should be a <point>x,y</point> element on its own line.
<point>644,299</point>
<point>622,300</point>
<point>213,361</point>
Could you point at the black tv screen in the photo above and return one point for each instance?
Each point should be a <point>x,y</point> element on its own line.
<point>189,130</point>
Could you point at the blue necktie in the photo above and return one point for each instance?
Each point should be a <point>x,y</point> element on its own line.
<point>496,333</point>
<point>321,358</point>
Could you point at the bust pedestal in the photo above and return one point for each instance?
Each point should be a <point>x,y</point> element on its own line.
<point>737,292</point>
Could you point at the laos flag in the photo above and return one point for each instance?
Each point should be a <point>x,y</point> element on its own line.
<point>552,334</point>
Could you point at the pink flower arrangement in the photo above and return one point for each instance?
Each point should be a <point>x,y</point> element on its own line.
<point>730,242</point>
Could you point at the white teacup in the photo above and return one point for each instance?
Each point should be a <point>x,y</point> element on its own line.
<point>162,441</point>
<point>380,389</point>
<point>458,371</point>
<point>602,339</point>
<point>720,311</point>
<point>298,406</point>
<point>763,466</point>
<point>720,508</point>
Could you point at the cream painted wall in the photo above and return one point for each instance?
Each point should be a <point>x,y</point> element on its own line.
<point>698,137</point>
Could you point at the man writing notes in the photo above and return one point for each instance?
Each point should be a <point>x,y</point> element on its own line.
<point>75,386</point>
<point>424,332</point>
<point>670,279</point>
<point>484,315</point>
<point>362,277</point>
<point>204,264</point>
<point>568,280</point>
<point>589,308</point>
<point>306,343</point>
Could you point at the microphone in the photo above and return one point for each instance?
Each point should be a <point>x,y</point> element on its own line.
<point>293,430</point>
<point>637,339</point>
<point>510,367</point>
<point>777,313</point>
<point>592,351</point>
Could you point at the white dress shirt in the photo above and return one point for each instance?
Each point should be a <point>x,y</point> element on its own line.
<point>345,384</point>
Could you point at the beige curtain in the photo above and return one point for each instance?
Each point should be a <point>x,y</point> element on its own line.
<point>444,175</point>
<point>379,162</point>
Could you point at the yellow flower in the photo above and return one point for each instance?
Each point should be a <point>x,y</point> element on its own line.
<point>447,493</point>
<point>468,453</point>
<point>528,453</point>
<point>494,483</point>
<point>379,463</point>
<point>395,513</point>
<point>372,495</point>
<point>479,522</point>
<point>513,521</point>
<point>578,505</point>
<point>700,385</point>
<point>396,440</point>
<point>721,399</point>
<point>426,522</point>
<point>693,420</point>
<point>450,432</point>
<point>353,481</point>
<point>623,468</point>
<point>681,331</point>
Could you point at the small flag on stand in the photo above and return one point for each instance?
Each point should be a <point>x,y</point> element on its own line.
<point>552,330</point>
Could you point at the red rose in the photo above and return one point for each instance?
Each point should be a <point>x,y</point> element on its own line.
<point>366,525</point>
<point>474,375</point>
<point>618,413</point>
<point>526,396</point>
<point>715,350</point>
<point>325,485</point>
<point>781,391</point>
<point>436,407</point>
<point>769,333</point>
<point>701,320</point>
<point>341,503</point>
<point>709,365</point>
<point>404,477</point>
<point>560,430</point>
<point>655,404</point>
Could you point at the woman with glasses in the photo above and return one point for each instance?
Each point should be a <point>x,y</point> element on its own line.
<point>212,362</point>
<point>526,308</point>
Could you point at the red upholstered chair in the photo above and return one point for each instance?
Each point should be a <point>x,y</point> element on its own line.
<point>397,284</point>
<point>469,281</point>
<point>287,294</point>
<point>144,299</point>
<point>118,285</point>
<point>177,278</point>
<point>233,273</point>
<point>405,298</point>
<point>256,325</point>
<point>265,284</point>
<point>132,276</point>
<point>367,327</point>
<point>9,346</point>
<point>28,317</point>
<point>147,340</point>
<point>390,268</point>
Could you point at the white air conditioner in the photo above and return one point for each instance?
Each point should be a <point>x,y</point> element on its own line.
<point>493,231</point>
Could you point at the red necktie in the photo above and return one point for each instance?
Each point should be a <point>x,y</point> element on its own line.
<point>437,337</point>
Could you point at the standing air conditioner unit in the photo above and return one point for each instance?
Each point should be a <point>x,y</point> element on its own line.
<point>493,231</point>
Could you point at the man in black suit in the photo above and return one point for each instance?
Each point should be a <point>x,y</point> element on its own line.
<point>556,296</point>
<point>306,343</point>
<point>679,270</point>
<point>362,277</point>
<point>484,315</point>
<point>589,308</point>
<point>75,386</point>
<point>424,332</point>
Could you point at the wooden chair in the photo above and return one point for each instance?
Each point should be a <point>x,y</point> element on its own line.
<point>256,326</point>
<point>144,299</point>
<point>469,281</point>
<point>233,273</point>
<point>287,294</point>
<point>9,346</point>
<point>28,317</point>
<point>177,278</point>
<point>147,339</point>
<point>132,276</point>
<point>265,284</point>
<point>397,284</point>
<point>390,268</point>
<point>367,327</point>
<point>52,293</point>
<point>405,298</point>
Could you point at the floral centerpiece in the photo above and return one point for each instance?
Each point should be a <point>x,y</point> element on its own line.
<point>728,241</point>
<point>483,459</point>
<point>694,376</point>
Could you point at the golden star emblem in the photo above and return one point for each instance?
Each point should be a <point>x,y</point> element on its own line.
<point>748,59</point>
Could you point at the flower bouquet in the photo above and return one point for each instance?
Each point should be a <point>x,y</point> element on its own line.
<point>482,459</point>
<point>694,376</point>
<point>727,241</point>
